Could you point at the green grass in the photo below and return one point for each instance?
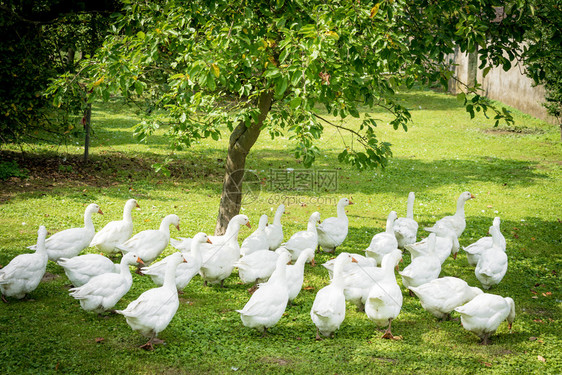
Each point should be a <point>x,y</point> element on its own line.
<point>514,173</point>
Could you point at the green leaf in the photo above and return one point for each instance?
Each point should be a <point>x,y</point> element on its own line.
<point>211,85</point>
<point>141,35</point>
<point>295,102</point>
<point>461,97</point>
<point>215,70</point>
<point>280,86</point>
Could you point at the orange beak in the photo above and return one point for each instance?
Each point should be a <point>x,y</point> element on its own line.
<point>100,212</point>
<point>209,241</point>
<point>472,196</point>
<point>248,225</point>
<point>350,202</point>
<point>178,227</point>
<point>353,260</point>
<point>455,256</point>
<point>139,261</point>
<point>138,205</point>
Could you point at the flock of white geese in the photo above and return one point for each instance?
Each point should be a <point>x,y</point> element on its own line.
<point>264,260</point>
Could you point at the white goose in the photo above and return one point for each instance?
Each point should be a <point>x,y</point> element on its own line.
<point>295,273</point>
<point>274,232</point>
<point>258,266</point>
<point>333,231</point>
<point>218,260</point>
<point>484,313</point>
<point>385,242</point>
<point>24,273</point>
<point>154,309</point>
<point>406,228</point>
<point>116,232</point>
<point>474,250</point>
<point>360,277</point>
<point>328,309</point>
<point>103,292</point>
<point>257,240</point>
<point>446,243</point>
<point>267,305</point>
<point>441,296</point>
<point>492,265</point>
<point>304,239</point>
<point>457,221</point>
<point>70,242</point>
<point>184,244</point>
<point>82,268</point>
<point>186,270</point>
<point>384,301</point>
<point>148,244</point>
<point>423,269</point>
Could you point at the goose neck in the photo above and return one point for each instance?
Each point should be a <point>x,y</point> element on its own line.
<point>410,206</point>
<point>341,212</point>
<point>88,222</point>
<point>460,207</point>
<point>277,217</point>
<point>170,275</point>
<point>311,227</point>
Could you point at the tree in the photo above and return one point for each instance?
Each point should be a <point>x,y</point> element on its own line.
<point>263,66</point>
<point>40,40</point>
<point>542,54</point>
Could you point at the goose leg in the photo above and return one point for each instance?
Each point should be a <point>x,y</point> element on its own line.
<point>318,338</point>
<point>485,340</point>
<point>387,333</point>
<point>148,345</point>
<point>4,299</point>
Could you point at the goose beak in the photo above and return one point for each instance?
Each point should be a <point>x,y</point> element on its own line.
<point>455,256</point>
<point>319,221</point>
<point>138,205</point>
<point>353,260</point>
<point>178,227</point>
<point>139,261</point>
<point>472,196</point>
<point>209,241</point>
<point>249,225</point>
<point>350,202</point>
<point>100,211</point>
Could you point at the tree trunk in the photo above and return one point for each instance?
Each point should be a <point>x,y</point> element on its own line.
<point>241,141</point>
<point>87,120</point>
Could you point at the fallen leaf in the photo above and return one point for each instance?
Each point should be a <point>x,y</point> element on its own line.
<point>538,321</point>
<point>534,297</point>
<point>487,364</point>
<point>99,339</point>
<point>541,358</point>
<point>489,206</point>
<point>515,235</point>
<point>532,338</point>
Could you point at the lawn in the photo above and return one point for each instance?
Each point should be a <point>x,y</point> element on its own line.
<point>514,172</point>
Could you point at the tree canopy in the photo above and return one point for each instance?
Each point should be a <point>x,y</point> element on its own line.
<point>39,41</point>
<point>267,66</point>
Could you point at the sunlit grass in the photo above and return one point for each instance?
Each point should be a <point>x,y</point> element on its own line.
<point>514,175</point>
